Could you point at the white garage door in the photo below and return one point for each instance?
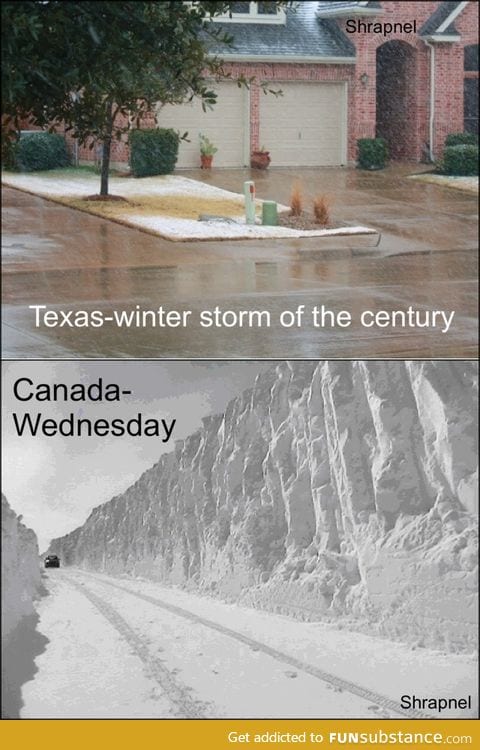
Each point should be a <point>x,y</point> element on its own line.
<point>226,126</point>
<point>306,126</point>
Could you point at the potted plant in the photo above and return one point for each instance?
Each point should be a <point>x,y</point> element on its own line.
<point>207,151</point>
<point>260,159</point>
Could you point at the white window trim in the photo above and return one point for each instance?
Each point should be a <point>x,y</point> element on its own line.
<point>253,16</point>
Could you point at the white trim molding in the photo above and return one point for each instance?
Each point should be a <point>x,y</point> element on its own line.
<point>451,18</point>
<point>349,13</point>
<point>442,38</point>
<point>290,59</point>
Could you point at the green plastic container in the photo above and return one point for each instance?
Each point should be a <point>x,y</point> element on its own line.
<point>269,214</point>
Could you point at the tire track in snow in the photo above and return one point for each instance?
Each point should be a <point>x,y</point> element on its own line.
<point>178,694</point>
<point>331,679</point>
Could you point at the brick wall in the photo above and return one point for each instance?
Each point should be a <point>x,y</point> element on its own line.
<point>410,85</point>
<point>448,74</point>
<point>275,72</point>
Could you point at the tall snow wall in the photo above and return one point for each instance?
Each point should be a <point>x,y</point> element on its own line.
<point>20,570</point>
<point>342,491</point>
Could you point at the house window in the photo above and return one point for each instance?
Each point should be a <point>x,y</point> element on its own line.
<point>258,12</point>
<point>470,57</point>
<point>240,7</point>
<point>470,89</point>
<point>267,9</point>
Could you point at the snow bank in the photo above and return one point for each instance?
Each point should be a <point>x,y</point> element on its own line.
<point>337,491</point>
<point>20,569</point>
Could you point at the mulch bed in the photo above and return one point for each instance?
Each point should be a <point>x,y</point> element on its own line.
<point>303,222</point>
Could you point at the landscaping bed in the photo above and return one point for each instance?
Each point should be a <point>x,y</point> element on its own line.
<point>169,206</point>
<point>468,184</point>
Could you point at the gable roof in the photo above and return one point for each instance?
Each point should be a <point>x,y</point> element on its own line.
<point>441,22</point>
<point>303,37</point>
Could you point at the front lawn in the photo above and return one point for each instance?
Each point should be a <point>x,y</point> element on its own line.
<point>468,184</point>
<point>169,206</point>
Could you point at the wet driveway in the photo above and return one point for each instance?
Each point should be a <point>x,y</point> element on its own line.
<point>72,261</point>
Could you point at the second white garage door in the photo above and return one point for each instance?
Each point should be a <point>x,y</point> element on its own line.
<point>226,126</point>
<point>306,126</point>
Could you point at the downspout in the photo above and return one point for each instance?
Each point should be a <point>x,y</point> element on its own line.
<point>432,99</point>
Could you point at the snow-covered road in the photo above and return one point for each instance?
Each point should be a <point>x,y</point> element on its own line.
<point>131,648</point>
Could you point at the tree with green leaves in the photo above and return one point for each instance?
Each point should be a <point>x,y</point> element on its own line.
<point>97,67</point>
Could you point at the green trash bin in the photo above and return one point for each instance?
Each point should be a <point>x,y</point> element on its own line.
<point>269,214</point>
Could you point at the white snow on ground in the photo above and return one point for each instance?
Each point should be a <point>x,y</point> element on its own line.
<point>181,229</point>
<point>87,670</point>
<point>468,184</point>
<point>173,228</point>
<point>20,570</point>
<point>86,184</point>
<point>125,656</point>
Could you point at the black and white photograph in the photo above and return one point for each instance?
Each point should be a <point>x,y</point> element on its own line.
<point>207,539</point>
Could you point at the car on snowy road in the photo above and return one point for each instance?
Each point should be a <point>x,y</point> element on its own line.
<point>52,561</point>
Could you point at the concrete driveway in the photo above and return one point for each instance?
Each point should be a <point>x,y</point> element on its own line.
<point>71,261</point>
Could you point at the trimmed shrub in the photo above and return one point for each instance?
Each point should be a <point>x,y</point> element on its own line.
<point>461,139</point>
<point>153,151</point>
<point>38,150</point>
<point>460,160</point>
<point>372,153</point>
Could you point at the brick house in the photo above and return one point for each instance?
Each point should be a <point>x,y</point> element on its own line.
<point>406,71</point>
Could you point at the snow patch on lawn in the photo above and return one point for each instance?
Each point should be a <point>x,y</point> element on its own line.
<point>468,184</point>
<point>56,186</point>
<point>86,184</point>
<point>181,229</point>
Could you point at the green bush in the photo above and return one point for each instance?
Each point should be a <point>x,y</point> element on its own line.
<point>38,151</point>
<point>9,147</point>
<point>460,160</point>
<point>461,139</point>
<point>153,151</point>
<point>372,153</point>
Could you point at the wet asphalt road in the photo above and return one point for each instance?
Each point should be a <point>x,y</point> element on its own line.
<point>427,258</point>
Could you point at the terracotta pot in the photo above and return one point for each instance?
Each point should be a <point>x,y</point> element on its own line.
<point>206,161</point>
<point>260,159</point>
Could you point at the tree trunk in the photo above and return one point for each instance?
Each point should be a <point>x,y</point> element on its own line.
<point>106,148</point>
<point>105,166</point>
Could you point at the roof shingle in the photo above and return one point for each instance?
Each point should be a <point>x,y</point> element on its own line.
<point>302,35</point>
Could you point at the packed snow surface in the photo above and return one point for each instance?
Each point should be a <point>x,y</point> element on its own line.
<point>123,648</point>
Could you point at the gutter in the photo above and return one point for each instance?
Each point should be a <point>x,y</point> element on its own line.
<point>445,38</point>
<point>432,99</point>
<point>349,12</point>
<point>290,59</point>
